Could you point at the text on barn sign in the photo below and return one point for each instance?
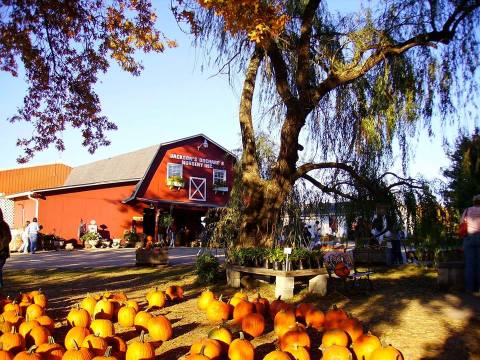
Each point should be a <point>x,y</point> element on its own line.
<point>196,161</point>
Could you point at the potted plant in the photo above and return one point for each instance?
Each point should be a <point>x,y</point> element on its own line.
<point>91,240</point>
<point>278,258</point>
<point>175,182</point>
<point>316,258</point>
<point>220,185</point>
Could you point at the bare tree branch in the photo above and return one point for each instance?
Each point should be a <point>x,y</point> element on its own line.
<point>328,189</point>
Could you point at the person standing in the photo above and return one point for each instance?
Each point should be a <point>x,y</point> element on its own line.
<point>5,238</point>
<point>24,247</point>
<point>33,229</point>
<point>471,246</point>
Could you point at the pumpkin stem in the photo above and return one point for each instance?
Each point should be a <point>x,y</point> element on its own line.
<point>221,297</point>
<point>142,336</point>
<point>75,343</point>
<point>242,337</point>
<point>32,349</point>
<point>279,297</point>
<point>202,350</point>
<point>51,340</point>
<point>108,351</point>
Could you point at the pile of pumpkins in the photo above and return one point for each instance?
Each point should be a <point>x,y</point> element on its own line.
<point>26,329</point>
<point>343,337</point>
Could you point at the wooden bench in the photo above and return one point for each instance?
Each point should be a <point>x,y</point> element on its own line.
<point>284,280</point>
<point>333,258</point>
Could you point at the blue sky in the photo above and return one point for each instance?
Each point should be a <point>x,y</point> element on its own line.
<point>171,99</point>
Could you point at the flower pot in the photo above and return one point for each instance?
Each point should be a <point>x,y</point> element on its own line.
<point>267,264</point>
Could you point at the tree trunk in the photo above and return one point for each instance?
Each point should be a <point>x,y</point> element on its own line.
<point>260,217</point>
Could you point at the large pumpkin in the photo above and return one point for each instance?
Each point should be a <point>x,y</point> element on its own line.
<point>29,354</point>
<point>241,349</point>
<point>208,347</point>
<point>126,316</point>
<point>37,336</point>
<point>337,352</point>
<point>386,353</point>
<point>12,341</point>
<point>284,320</point>
<point>107,355</point>
<point>298,352</point>
<point>253,324</point>
<point>34,311</point>
<point>156,299</point>
<point>51,350</point>
<point>242,309</point>
<point>26,326</point>
<point>104,309</point>
<point>88,303</point>
<point>77,353</point>
<point>160,328</point>
<point>204,300</point>
<point>334,317</point>
<point>223,335</point>
<point>75,336</point>
<point>174,293</point>
<point>218,311</point>
<point>365,345</point>
<point>102,327</point>
<point>334,337</point>
<point>95,344</point>
<point>296,335</point>
<point>277,355</point>
<point>78,317</point>
<point>140,350</point>
<point>315,318</point>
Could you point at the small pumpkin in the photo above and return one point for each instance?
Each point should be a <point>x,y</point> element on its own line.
<point>156,299</point>
<point>46,321</point>
<point>262,305</point>
<point>283,321</point>
<point>37,336</point>
<point>386,353</point>
<point>218,311</point>
<point>208,347</point>
<point>298,352</point>
<point>12,306</point>
<point>141,320</point>
<point>242,309</point>
<point>140,350</point>
<point>102,327</point>
<point>88,303</point>
<point>334,317</point>
<point>296,335</point>
<point>5,326</point>
<point>174,293</point>
<point>277,305</point>
<point>12,317</point>
<point>26,326</point>
<point>104,309</point>
<point>34,311</point>
<point>277,355</point>
<point>107,355</point>
<point>160,328</point>
<point>40,299</point>
<point>223,335</point>
<point>253,324</point>
<point>315,318</point>
<point>133,304</point>
<point>75,336</point>
<point>51,350</point>
<point>95,344</point>
<point>365,345</point>
<point>76,353</point>
<point>12,341</point>
<point>334,337</point>
<point>78,317</point>
<point>29,354</point>
<point>241,349</point>
<point>204,299</point>
<point>336,352</point>
<point>126,316</point>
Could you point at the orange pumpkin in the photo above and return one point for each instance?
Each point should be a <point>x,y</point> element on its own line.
<point>78,317</point>
<point>12,341</point>
<point>12,306</point>
<point>334,317</point>
<point>12,317</point>
<point>34,311</point>
<point>277,355</point>
<point>126,316</point>
<point>223,335</point>
<point>77,353</point>
<point>141,320</point>
<point>160,328</point>
<point>40,299</point>
<point>174,293</point>
<point>104,309</point>
<point>283,321</point>
<point>140,350</point>
<point>102,327</point>
<point>95,344</point>
<point>133,304</point>
<point>5,326</point>
<point>204,299</point>
<point>386,353</point>
<point>296,335</point>
<point>315,318</point>
<point>200,356</point>
<point>334,337</point>
<point>364,346</point>
<point>46,321</point>
<point>277,305</point>
<point>242,309</point>
<point>37,336</point>
<point>341,270</point>
<point>5,355</point>
<point>118,345</point>
<point>29,354</point>
<point>208,347</point>
<point>241,349</point>
<point>75,336</point>
<point>353,328</point>
<point>51,350</point>
<point>262,305</point>
<point>156,299</point>
<point>298,352</point>
<point>218,311</point>
<point>107,355</point>
<point>302,310</point>
<point>253,324</point>
<point>336,352</point>
<point>26,326</point>
<point>88,303</point>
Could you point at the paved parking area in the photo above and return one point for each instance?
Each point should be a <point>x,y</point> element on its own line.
<point>79,259</point>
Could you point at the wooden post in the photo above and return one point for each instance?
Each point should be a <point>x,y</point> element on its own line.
<point>233,278</point>
<point>284,286</point>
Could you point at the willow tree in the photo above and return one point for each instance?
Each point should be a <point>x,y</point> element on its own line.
<point>349,84</point>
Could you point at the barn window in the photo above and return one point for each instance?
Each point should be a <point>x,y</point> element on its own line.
<point>219,177</point>
<point>174,170</point>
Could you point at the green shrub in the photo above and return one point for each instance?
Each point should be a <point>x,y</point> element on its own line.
<point>206,268</point>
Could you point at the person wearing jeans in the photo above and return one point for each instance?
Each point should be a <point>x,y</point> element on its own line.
<point>471,246</point>
<point>32,230</point>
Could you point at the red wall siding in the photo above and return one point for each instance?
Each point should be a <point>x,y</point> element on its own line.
<point>24,210</point>
<point>60,214</point>
<point>158,189</point>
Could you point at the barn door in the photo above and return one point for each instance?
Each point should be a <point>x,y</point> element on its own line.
<point>198,189</point>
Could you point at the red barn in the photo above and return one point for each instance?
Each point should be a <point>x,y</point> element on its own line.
<point>183,178</point>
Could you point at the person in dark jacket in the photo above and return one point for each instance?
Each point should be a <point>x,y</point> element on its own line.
<point>5,238</point>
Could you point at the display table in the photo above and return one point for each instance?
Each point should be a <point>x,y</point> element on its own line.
<point>284,280</point>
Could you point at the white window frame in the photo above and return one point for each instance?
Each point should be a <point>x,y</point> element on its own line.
<point>174,165</point>
<point>216,171</point>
